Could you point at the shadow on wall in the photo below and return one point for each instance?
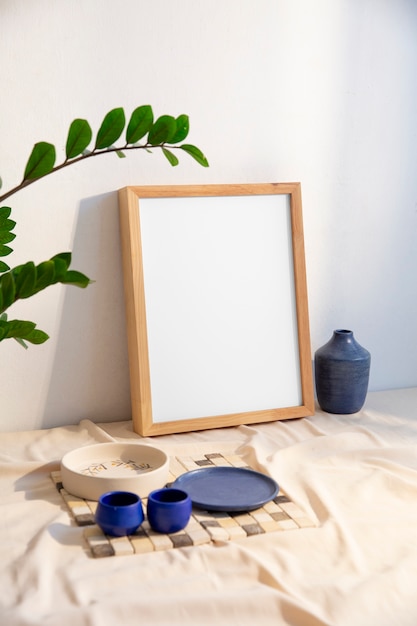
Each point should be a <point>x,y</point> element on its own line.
<point>90,375</point>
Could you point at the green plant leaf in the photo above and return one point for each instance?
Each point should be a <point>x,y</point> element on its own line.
<point>5,250</point>
<point>36,337</point>
<point>72,277</point>
<point>6,236</point>
<point>195,153</point>
<point>45,275</point>
<point>63,256</point>
<point>7,225</point>
<point>60,269</point>
<point>140,123</point>
<point>3,266</point>
<point>3,331</point>
<point>161,132</point>
<point>183,128</point>
<point>4,213</point>
<point>170,156</point>
<point>41,161</point>
<point>25,279</point>
<point>111,128</point>
<point>7,287</point>
<point>1,183</point>
<point>79,136</point>
<point>20,328</point>
<point>120,154</point>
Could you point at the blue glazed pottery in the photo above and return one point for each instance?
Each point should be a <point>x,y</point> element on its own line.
<point>342,374</point>
<point>119,513</point>
<point>168,510</point>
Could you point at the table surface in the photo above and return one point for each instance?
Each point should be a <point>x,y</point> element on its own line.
<point>355,476</point>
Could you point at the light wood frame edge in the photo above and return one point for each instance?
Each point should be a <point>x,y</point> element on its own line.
<point>136,311</point>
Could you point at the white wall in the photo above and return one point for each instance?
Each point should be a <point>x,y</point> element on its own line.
<point>320,92</point>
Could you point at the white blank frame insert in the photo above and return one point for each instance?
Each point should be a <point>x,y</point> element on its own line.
<point>216,305</point>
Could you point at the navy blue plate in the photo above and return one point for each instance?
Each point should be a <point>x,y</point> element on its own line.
<point>227,488</point>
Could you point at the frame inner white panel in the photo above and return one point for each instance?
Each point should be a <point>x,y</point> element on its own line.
<point>220,305</point>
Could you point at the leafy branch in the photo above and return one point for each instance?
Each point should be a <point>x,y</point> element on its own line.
<point>142,133</point>
<point>25,281</point>
<point>164,133</point>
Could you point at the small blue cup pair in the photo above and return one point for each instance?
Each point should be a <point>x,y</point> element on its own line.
<point>120,513</point>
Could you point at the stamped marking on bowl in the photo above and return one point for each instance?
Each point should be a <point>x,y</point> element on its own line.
<point>113,465</point>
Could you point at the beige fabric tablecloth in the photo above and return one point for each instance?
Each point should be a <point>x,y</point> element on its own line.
<point>356,476</point>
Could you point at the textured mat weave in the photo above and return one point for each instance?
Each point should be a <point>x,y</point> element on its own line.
<point>204,527</point>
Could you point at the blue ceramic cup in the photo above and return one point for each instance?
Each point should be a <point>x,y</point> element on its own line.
<point>168,510</point>
<point>119,513</point>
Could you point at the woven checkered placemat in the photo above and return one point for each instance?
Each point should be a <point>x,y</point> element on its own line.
<point>204,527</point>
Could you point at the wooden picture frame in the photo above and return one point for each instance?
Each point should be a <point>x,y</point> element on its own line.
<point>216,305</point>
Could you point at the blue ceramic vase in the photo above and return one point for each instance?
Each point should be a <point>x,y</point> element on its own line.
<point>342,374</point>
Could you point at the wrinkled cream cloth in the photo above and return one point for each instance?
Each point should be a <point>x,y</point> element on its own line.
<point>356,476</point>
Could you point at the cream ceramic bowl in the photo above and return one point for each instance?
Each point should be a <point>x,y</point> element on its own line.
<point>90,471</point>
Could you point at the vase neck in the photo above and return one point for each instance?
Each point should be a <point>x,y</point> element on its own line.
<point>342,334</point>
